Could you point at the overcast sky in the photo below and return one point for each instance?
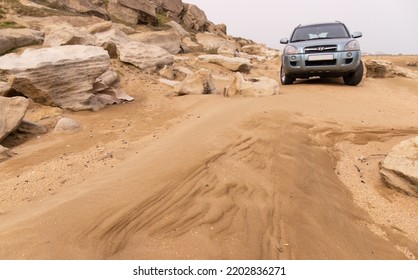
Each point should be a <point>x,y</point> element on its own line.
<point>387,26</point>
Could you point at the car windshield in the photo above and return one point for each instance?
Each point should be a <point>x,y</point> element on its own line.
<point>323,31</point>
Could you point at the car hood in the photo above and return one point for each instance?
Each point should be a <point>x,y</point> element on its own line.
<point>340,42</point>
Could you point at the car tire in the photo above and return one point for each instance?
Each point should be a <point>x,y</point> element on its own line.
<point>285,79</point>
<point>354,78</point>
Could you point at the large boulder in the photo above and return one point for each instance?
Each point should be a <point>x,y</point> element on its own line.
<point>386,69</point>
<point>194,18</point>
<point>63,76</point>
<point>170,40</point>
<point>12,111</point>
<point>256,87</point>
<point>15,38</point>
<point>89,7</point>
<point>236,64</point>
<point>5,88</point>
<point>144,56</point>
<point>400,167</point>
<point>200,82</point>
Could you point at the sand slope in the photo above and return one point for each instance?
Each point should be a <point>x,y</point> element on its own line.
<point>207,177</point>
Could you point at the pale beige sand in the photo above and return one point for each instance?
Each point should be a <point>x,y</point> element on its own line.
<point>293,176</point>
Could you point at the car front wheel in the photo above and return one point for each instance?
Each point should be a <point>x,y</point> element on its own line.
<point>354,78</point>
<point>285,79</point>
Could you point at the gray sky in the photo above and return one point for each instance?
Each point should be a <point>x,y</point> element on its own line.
<point>387,26</point>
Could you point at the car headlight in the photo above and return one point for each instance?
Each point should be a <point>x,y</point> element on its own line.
<point>352,46</point>
<point>290,50</point>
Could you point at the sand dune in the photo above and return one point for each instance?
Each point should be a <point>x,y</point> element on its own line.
<point>207,177</point>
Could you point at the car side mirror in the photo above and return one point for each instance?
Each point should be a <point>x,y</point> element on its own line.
<point>284,41</point>
<point>357,35</point>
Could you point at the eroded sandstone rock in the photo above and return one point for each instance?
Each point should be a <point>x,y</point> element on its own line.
<point>12,111</point>
<point>400,167</point>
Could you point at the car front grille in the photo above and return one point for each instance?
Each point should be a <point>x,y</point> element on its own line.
<point>321,63</point>
<point>321,49</point>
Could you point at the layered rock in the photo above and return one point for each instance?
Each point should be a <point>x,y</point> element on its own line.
<point>400,168</point>
<point>90,7</point>
<point>194,18</point>
<point>256,87</point>
<point>236,64</point>
<point>211,42</point>
<point>5,88</point>
<point>68,35</point>
<point>12,111</point>
<point>170,40</point>
<point>62,76</point>
<point>200,82</point>
<point>15,38</point>
<point>144,56</point>
<point>386,69</point>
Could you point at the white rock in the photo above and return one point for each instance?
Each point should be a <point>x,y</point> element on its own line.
<point>400,167</point>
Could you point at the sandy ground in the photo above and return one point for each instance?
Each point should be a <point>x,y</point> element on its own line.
<point>292,176</point>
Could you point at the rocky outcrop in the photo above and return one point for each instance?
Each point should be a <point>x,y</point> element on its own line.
<point>67,125</point>
<point>386,69</point>
<point>194,18</point>
<point>200,82</point>
<point>62,76</point>
<point>236,64</point>
<point>170,40</point>
<point>144,56</point>
<point>15,38</point>
<point>89,7</point>
<point>256,87</point>
<point>400,168</point>
<point>12,111</point>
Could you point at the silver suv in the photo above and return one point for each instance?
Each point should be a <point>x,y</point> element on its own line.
<point>325,50</point>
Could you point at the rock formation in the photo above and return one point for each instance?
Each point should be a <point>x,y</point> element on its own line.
<point>200,82</point>
<point>399,169</point>
<point>62,76</point>
<point>256,87</point>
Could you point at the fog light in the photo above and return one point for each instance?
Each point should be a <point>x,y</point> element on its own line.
<point>349,54</point>
<point>293,58</point>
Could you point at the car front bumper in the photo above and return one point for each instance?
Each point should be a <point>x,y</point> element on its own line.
<point>321,64</point>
